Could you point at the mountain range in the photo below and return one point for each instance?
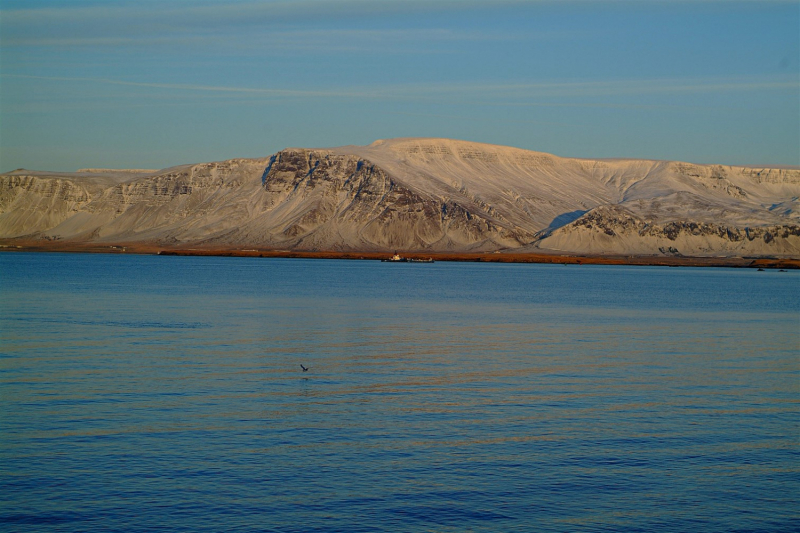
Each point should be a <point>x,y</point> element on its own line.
<point>418,194</point>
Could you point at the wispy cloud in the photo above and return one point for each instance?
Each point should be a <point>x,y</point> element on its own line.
<point>644,87</point>
<point>138,22</point>
<point>202,88</point>
<point>445,92</point>
<point>291,39</point>
<point>148,21</point>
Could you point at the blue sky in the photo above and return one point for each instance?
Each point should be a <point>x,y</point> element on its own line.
<point>150,84</point>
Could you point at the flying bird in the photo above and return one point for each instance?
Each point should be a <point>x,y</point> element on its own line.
<point>304,368</point>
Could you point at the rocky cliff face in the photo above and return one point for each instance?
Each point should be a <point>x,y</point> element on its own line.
<point>418,194</point>
<point>618,231</point>
<point>31,204</point>
<point>318,196</point>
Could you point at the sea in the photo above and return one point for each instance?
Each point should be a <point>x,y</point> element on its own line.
<point>161,393</point>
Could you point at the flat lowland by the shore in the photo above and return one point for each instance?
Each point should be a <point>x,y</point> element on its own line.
<point>19,245</point>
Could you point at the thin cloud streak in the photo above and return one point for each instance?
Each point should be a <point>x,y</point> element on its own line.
<point>568,89</point>
<point>246,10</point>
<point>198,15</point>
<point>139,22</point>
<point>189,87</point>
<point>302,39</point>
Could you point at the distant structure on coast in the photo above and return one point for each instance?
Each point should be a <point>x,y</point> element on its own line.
<point>397,258</point>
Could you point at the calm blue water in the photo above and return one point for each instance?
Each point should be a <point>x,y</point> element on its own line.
<point>146,393</point>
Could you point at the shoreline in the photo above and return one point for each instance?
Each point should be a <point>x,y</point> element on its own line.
<point>19,245</point>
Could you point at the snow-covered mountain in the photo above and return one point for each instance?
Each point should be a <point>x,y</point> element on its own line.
<point>418,194</point>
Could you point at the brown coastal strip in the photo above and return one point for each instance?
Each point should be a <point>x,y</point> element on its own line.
<point>38,245</point>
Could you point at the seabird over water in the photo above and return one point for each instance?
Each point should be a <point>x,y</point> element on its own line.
<point>304,368</point>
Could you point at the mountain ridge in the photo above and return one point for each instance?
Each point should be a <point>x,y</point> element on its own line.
<point>419,194</point>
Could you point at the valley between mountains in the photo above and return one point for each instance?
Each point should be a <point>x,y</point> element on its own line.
<point>417,195</point>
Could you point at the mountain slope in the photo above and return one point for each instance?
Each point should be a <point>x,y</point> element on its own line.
<point>418,194</point>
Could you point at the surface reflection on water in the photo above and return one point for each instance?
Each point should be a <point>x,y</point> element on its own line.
<point>165,392</point>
